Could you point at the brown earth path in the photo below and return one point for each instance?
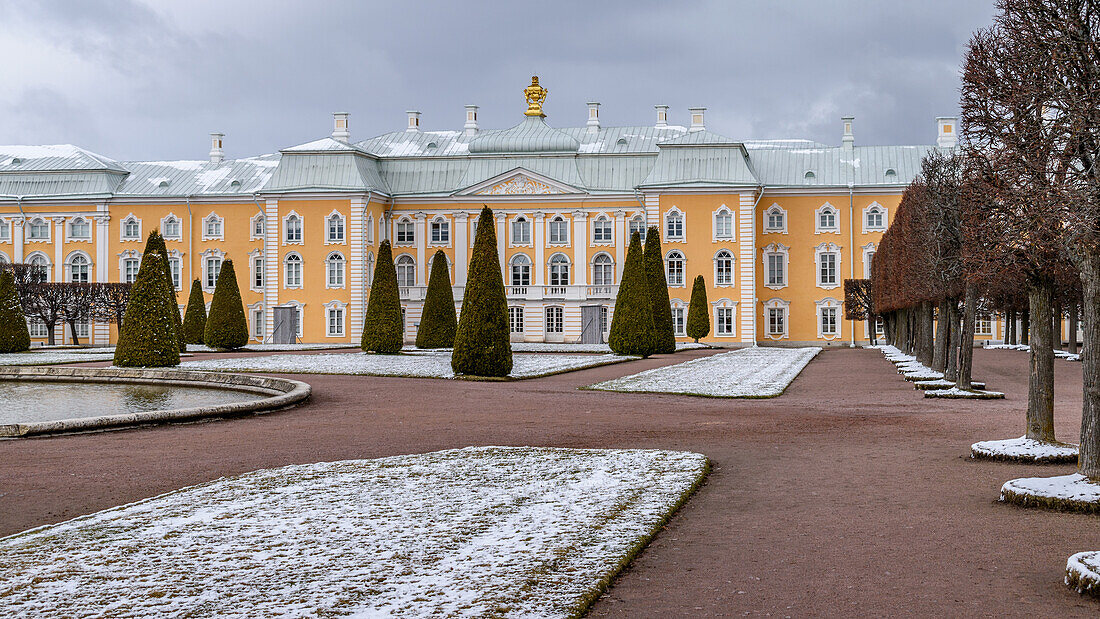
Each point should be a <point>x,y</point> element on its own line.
<point>848,495</point>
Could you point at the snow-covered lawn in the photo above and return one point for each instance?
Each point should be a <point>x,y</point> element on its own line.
<point>490,531</point>
<point>53,357</point>
<point>908,366</point>
<point>591,348</point>
<point>419,364</point>
<point>1024,449</point>
<point>1061,354</point>
<point>1083,572</point>
<point>743,373</point>
<point>1071,492</point>
<point>266,347</point>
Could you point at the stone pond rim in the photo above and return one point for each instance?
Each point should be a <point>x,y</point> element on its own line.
<point>281,393</point>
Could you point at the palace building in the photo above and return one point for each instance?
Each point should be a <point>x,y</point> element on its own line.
<point>774,226</point>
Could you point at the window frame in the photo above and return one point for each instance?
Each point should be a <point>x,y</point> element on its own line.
<point>675,260</point>
<point>407,263</point>
<point>557,231</point>
<point>335,264</point>
<point>719,282</point>
<point>775,211</point>
<point>723,213</point>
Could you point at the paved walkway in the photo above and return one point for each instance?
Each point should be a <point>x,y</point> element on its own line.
<point>848,495</point>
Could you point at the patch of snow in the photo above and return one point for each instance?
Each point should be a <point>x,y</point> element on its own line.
<point>211,177</point>
<point>1075,487</point>
<point>963,394</point>
<point>1060,354</point>
<point>591,147</point>
<point>30,151</point>
<point>744,373</point>
<point>54,357</point>
<point>158,180</point>
<point>179,165</point>
<point>1023,448</point>
<point>1083,571</point>
<point>419,364</point>
<point>486,531</point>
<point>590,348</point>
<point>266,347</point>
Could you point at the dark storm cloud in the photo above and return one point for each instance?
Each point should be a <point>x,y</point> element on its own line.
<point>149,80</point>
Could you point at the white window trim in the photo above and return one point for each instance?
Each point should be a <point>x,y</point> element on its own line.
<point>48,266</point>
<point>404,219</point>
<point>777,303</point>
<point>630,220</point>
<point>78,239</point>
<point>549,261</point>
<point>665,238</point>
<point>344,221</point>
<point>885,218</point>
<point>5,229</point>
<point>212,216</point>
<point>683,259</point>
<point>79,253</point>
<point>286,271</point>
<point>252,236</point>
<point>568,230</point>
<point>530,231</point>
<point>723,303</point>
<point>129,254</point>
<point>733,269</point>
<point>252,255</point>
<point>450,231</point>
<point>777,249</point>
<point>592,268</point>
<point>256,308</point>
<point>473,230</point>
<point>827,248</point>
<point>163,222</point>
<point>868,251</point>
<point>679,304</point>
<point>122,229</point>
<point>175,254</point>
<point>774,208</point>
<point>301,224</point>
<point>818,229</point>
<point>344,279</point>
<point>340,305</point>
<point>370,229</point>
<point>601,217</point>
<point>416,269</point>
<point>205,256</point>
<point>829,302</point>
<point>4,259</point>
<point>714,224</point>
<point>530,269</point>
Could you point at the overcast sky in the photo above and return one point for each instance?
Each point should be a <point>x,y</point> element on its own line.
<point>150,80</point>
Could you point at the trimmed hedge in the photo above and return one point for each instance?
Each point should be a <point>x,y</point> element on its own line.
<point>439,322</point>
<point>14,336</point>
<point>194,319</point>
<point>483,342</point>
<point>698,320</point>
<point>155,243</point>
<point>148,335</point>
<point>632,324</point>
<point>226,327</point>
<point>663,330</point>
<point>382,331</point>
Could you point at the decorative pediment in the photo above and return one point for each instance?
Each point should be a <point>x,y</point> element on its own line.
<point>519,182</point>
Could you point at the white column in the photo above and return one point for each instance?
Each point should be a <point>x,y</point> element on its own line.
<point>356,245</point>
<point>272,229</point>
<point>620,244</point>
<point>539,265</point>
<point>501,220</point>
<point>102,227</point>
<point>580,248</point>
<point>462,248</point>
<point>17,239</point>
<point>746,236</point>
<point>58,249</point>
<point>421,241</point>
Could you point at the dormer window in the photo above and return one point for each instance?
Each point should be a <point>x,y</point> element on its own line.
<point>810,176</point>
<point>163,183</point>
<point>891,175</point>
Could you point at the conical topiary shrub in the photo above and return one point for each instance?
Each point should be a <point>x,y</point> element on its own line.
<point>632,324</point>
<point>439,322</point>
<point>194,320</point>
<point>155,243</point>
<point>698,320</point>
<point>148,335</point>
<point>226,326</point>
<point>663,329</point>
<point>482,343</point>
<point>14,336</point>
<point>382,325</point>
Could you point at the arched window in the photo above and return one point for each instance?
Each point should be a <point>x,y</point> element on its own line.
<point>723,268</point>
<point>370,268</point>
<point>674,267</point>
<point>603,271</point>
<point>213,270</point>
<point>776,219</point>
<point>559,230</point>
<point>79,228</point>
<point>674,226</point>
<point>601,230</point>
<point>810,176</point>
<point>131,228</point>
<point>130,266</point>
<point>826,218</point>
<point>258,226</point>
<point>875,218</point>
<point>406,271</point>
<point>39,230</point>
<point>723,224</point>
<point>637,224</point>
<point>521,270</point>
<point>5,230</point>
<point>293,271</point>
<point>559,270</point>
<point>79,266</point>
<point>441,231</point>
<point>213,227</point>
<point>521,231</point>
<point>293,229</point>
<point>406,231</point>
<point>40,268</point>
<point>335,268</point>
<point>171,226</point>
<point>335,228</point>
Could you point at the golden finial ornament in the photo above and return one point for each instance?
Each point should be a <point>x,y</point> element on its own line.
<point>535,95</point>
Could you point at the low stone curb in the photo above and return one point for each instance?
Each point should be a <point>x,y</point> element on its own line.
<point>979,452</point>
<point>1080,577</point>
<point>284,393</point>
<point>1023,498</point>
<point>976,394</point>
<point>944,384</point>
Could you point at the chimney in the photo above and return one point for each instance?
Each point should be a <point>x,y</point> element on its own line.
<point>471,120</point>
<point>414,120</point>
<point>849,139</point>
<point>697,123</point>
<point>947,131</point>
<point>340,127</point>
<point>216,153</point>
<point>662,116</point>
<point>593,123</point>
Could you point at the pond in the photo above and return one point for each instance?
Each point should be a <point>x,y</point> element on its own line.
<point>34,401</point>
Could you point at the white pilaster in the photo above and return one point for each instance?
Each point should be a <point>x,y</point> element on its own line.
<point>620,244</point>
<point>540,249</point>
<point>580,248</point>
<point>746,236</point>
<point>462,248</point>
<point>272,228</point>
<point>357,238</point>
<point>502,219</point>
<point>58,248</point>
<point>421,243</point>
<point>17,226</point>
<point>102,228</point>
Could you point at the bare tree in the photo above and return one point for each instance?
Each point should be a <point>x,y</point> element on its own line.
<point>859,304</point>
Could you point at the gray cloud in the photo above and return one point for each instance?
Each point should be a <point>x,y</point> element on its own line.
<point>139,80</point>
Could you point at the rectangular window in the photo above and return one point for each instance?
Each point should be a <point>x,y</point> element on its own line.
<point>174,267</point>
<point>213,269</point>
<point>172,228</point>
<point>37,328</point>
<point>80,229</point>
<point>678,322</point>
<point>130,270</point>
<point>776,272</point>
<point>554,320</point>
<point>82,329</point>
<point>603,318</point>
<point>257,272</point>
<point>723,226</point>
<point>828,321</point>
<point>675,271</point>
<point>441,232</point>
<point>131,229</point>
<point>983,325</point>
<point>335,273</point>
<point>336,321</point>
<point>601,231</point>
<point>828,269</point>
<point>335,229</point>
<point>776,320</point>
<point>637,225</point>
<point>675,227</point>
<point>213,227</point>
<point>258,226</point>
<point>515,319</point>
<point>724,321</point>
<point>559,231</point>
<point>521,232</point>
<point>258,323</point>
<point>5,230</point>
<point>406,233</point>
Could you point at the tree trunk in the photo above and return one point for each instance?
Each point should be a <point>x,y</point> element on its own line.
<point>871,335</point>
<point>51,339</point>
<point>966,339</point>
<point>951,372</point>
<point>927,332</point>
<point>939,357</point>
<point>1040,388</point>
<point>1088,463</point>
<point>1010,328</point>
<point>1025,326</point>
<point>1074,310</point>
<point>72,332</point>
<point>1057,326</point>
